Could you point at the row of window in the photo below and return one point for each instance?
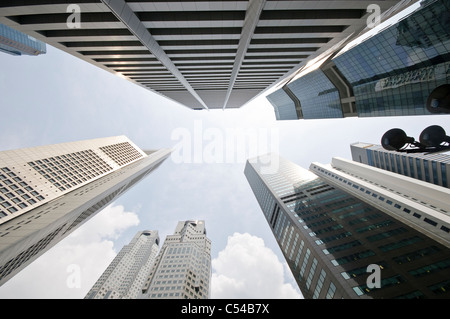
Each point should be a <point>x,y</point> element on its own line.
<point>312,269</point>
<point>15,194</point>
<point>25,255</point>
<point>405,209</point>
<point>296,249</point>
<point>387,201</point>
<point>121,153</point>
<point>167,295</point>
<point>438,288</point>
<point>69,170</point>
<point>410,166</point>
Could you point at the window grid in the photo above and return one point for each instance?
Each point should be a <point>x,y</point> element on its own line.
<point>319,284</point>
<point>121,153</point>
<point>15,194</point>
<point>72,169</point>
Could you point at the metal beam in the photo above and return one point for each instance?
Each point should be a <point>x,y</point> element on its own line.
<point>124,13</point>
<point>252,14</point>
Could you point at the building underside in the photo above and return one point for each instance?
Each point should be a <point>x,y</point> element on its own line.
<point>202,54</point>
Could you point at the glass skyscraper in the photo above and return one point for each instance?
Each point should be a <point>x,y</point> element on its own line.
<point>323,104</point>
<point>394,72</point>
<point>17,43</point>
<point>330,234</point>
<point>284,106</point>
<point>46,192</point>
<point>391,73</point>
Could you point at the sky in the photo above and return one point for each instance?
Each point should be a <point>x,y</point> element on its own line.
<point>57,98</point>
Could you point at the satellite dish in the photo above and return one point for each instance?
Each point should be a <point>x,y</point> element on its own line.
<point>439,100</point>
<point>395,139</point>
<point>433,135</point>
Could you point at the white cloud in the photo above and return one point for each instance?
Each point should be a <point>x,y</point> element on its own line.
<point>109,223</point>
<point>70,268</point>
<point>246,268</point>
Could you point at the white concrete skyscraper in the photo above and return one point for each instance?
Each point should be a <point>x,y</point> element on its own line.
<point>46,192</point>
<point>431,168</point>
<point>418,204</point>
<point>183,267</point>
<point>125,276</point>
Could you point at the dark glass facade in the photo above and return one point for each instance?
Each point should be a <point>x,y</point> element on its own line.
<point>284,106</point>
<point>329,238</point>
<point>318,97</point>
<point>394,72</point>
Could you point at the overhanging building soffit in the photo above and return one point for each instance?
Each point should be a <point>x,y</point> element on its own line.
<point>252,15</point>
<point>124,13</point>
<point>388,10</point>
<point>201,54</point>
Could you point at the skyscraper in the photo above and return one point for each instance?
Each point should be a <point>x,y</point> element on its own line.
<point>202,54</point>
<point>419,204</point>
<point>390,73</point>
<point>48,191</point>
<point>183,267</point>
<point>335,222</point>
<point>17,43</point>
<point>431,168</point>
<point>125,276</point>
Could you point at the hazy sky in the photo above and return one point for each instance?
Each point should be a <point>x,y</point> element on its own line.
<point>56,98</point>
